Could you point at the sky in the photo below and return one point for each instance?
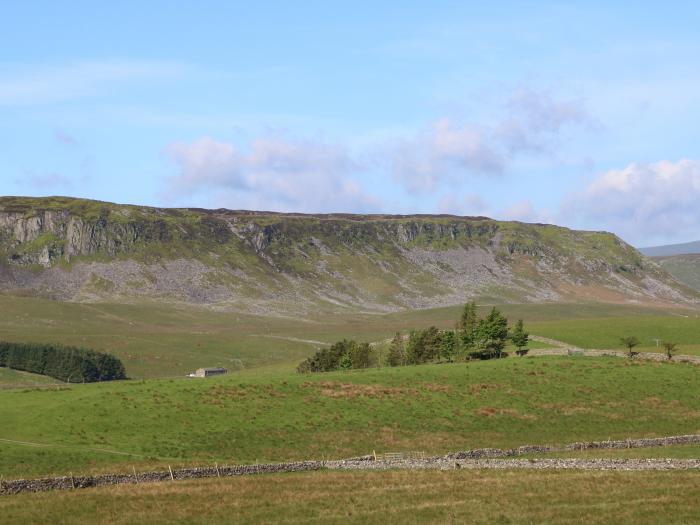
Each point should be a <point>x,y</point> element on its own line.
<point>582,114</point>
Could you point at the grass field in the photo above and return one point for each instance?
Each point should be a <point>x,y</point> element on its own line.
<point>159,340</point>
<point>488,497</point>
<point>275,416</point>
<point>18,379</point>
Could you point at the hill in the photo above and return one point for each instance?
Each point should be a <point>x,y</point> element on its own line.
<point>264,262</point>
<point>685,268</point>
<point>671,249</point>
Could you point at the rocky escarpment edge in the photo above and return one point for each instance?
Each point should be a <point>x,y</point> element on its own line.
<point>485,458</point>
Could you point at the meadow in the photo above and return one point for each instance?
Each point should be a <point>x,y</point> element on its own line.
<point>160,340</point>
<point>250,416</point>
<point>456,496</point>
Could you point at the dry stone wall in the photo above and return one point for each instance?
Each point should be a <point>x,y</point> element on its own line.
<point>492,458</point>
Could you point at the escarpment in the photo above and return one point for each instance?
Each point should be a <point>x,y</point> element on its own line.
<point>74,249</point>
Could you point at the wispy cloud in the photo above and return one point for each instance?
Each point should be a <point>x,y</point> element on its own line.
<point>643,201</point>
<point>49,84</point>
<point>46,182</point>
<point>273,173</point>
<point>65,138</point>
<point>450,150</point>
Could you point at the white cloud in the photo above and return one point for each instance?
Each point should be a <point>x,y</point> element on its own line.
<point>48,84</point>
<point>449,150</point>
<point>643,202</point>
<point>275,173</point>
<point>536,119</point>
<point>470,204</point>
<point>441,153</point>
<point>524,211</point>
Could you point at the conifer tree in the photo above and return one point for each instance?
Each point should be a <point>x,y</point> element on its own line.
<point>397,351</point>
<point>467,325</point>
<point>520,338</point>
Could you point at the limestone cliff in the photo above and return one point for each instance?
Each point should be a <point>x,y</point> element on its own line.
<point>74,249</point>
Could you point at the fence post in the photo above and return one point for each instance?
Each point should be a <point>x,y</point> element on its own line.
<point>135,476</point>
<point>216,466</point>
<point>172,478</point>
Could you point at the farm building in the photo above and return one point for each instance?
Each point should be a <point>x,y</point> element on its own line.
<point>208,372</point>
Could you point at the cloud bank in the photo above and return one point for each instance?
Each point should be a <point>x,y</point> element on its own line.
<point>642,201</point>
<point>448,151</point>
<point>274,173</point>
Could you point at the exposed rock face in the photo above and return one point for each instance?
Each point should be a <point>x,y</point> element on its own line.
<point>75,249</point>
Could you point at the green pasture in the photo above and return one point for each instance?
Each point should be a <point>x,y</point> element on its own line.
<point>275,416</point>
<point>160,340</point>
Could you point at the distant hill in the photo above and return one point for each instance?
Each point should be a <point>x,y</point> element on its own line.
<point>685,268</point>
<point>671,249</point>
<point>264,262</point>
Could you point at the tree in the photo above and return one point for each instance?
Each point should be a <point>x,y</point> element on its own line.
<point>449,345</point>
<point>467,326</point>
<point>423,345</point>
<point>520,338</point>
<point>492,332</point>
<point>397,351</point>
<point>670,348</point>
<point>630,343</point>
<point>345,362</point>
<point>360,355</point>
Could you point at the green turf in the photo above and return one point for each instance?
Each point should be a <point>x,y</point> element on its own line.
<point>274,416</point>
<point>605,333</point>
<point>18,379</point>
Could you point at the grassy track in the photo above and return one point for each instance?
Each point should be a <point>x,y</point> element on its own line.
<point>276,416</point>
<point>522,497</point>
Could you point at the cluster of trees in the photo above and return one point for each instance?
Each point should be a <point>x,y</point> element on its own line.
<point>67,363</point>
<point>341,355</point>
<point>473,338</point>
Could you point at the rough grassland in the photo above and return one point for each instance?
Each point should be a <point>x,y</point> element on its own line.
<point>157,340</point>
<point>18,379</point>
<point>276,416</point>
<point>380,497</point>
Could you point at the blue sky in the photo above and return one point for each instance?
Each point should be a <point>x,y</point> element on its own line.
<point>581,114</point>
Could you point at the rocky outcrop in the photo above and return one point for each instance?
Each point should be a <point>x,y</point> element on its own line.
<point>267,261</point>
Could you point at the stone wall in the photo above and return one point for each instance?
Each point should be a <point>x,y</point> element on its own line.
<point>477,458</point>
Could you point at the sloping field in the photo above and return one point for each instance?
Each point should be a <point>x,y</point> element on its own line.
<point>248,417</point>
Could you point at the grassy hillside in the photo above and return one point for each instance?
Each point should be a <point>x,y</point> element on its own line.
<point>685,268</point>
<point>484,497</point>
<point>18,379</point>
<point>246,417</point>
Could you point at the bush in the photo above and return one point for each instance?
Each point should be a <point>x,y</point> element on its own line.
<point>67,363</point>
<point>487,354</point>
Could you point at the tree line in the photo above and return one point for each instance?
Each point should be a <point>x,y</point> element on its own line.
<point>67,363</point>
<point>473,338</point>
